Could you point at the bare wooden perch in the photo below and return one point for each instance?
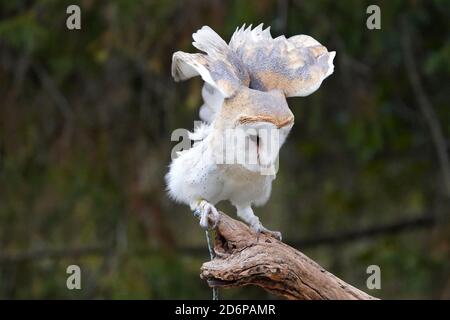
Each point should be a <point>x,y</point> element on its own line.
<point>243,259</point>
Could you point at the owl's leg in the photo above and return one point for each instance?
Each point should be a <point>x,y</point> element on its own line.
<point>202,209</point>
<point>246,214</point>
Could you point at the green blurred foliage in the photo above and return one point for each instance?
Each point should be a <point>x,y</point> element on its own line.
<point>85,124</point>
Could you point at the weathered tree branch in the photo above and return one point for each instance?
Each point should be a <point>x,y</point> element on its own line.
<point>243,259</point>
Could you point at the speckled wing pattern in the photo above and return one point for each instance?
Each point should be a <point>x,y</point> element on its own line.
<point>295,65</point>
<point>219,67</point>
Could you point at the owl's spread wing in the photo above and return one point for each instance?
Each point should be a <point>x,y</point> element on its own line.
<point>219,67</point>
<point>295,65</point>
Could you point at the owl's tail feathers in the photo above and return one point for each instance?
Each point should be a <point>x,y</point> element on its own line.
<point>207,40</point>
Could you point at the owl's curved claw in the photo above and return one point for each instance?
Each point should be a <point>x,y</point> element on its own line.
<point>259,228</point>
<point>196,213</point>
<point>206,212</point>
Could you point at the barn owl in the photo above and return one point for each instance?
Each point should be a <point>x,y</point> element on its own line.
<point>246,85</point>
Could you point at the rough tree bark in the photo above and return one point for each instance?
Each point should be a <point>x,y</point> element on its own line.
<point>244,259</point>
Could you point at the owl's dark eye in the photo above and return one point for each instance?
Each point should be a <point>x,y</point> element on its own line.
<point>255,139</point>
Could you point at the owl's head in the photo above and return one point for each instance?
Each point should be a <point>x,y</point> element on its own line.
<point>253,125</point>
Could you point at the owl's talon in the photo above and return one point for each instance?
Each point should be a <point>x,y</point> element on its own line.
<point>258,228</point>
<point>276,234</point>
<point>216,222</point>
<point>197,213</point>
<point>207,213</point>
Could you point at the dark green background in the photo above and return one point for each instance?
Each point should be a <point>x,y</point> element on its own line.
<point>85,124</point>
